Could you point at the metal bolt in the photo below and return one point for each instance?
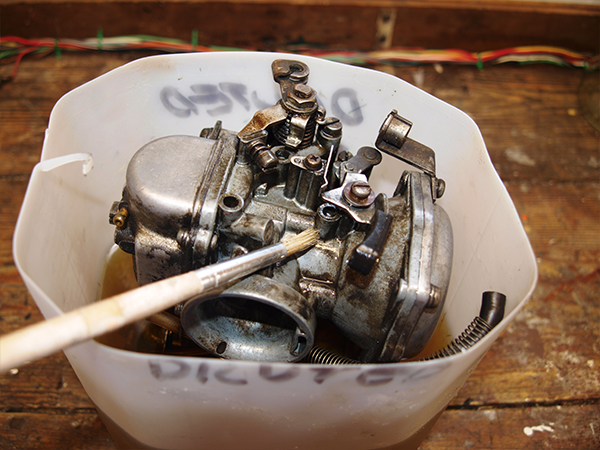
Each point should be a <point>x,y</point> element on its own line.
<point>303,91</point>
<point>266,160</point>
<point>332,128</point>
<point>359,193</point>
<point>301,99</point>
<point>120,219</point>
<point>183,238</point>
<point>440,188</point>
<point>313,162</point>
<point>178,308</point>
<point>435,297</point>
<point>360,190</point>
<point>262,154</point>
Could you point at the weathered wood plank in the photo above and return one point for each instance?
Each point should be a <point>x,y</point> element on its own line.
<point>26,102</point>
<point>47,384</point>
<point>54,431</point>
<point>556,427</point>
<point>529,117</point>
<point>269,25</point>
<point>549,354</point>
<point>12,191</point>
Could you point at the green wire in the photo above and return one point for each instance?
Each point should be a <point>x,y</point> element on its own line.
<point>194,40</point>
<point>479,63</point>
<point>57,49</point>
<point>99,37</point>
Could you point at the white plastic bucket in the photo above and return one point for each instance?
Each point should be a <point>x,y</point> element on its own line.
<point>167,402</point>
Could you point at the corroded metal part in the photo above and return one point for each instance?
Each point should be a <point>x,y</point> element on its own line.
<point>379,274</point>
<point>393,139</point>
<point>259,318</point>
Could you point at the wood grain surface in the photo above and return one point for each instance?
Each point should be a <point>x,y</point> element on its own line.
<point>475,25</point>
<point>545,368</point>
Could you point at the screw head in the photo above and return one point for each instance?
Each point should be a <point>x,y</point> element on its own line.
<point>332,128</point>
<point>440,188</point>
<point>360,190</point>
<point>313,162</point>
<point>359,193</point>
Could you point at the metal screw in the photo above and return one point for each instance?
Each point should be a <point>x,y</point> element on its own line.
<point>313,162</point>
<point>120,219</point>
<point>262,155</point>
<point>360,190</point>
<point>183,238</point>
<point>359,193</point>
<point>435,297</point>
<point>332,128</point>
<point>440,188</point>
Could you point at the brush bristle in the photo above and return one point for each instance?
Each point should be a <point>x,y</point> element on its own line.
<point>302,241</point>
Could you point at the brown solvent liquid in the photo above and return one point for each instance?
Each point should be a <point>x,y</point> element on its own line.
<point>145,337</point>
<point>141,336</point>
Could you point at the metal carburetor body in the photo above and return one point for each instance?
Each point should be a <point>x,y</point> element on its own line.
<point>379,273</point>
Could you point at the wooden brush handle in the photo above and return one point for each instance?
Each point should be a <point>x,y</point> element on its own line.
<point>47,337</point>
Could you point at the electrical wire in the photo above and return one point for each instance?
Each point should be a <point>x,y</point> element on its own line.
<point>13,49</point>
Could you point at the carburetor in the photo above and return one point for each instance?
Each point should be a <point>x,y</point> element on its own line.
<point>379,273</point>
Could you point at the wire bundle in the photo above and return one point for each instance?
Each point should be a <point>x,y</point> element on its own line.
<point>13,49</point>
<point>528,54</point>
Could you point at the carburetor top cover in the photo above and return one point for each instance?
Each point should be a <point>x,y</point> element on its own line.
<point>379,273</point>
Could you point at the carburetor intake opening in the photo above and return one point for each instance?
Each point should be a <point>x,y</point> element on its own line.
<point>243,323</point>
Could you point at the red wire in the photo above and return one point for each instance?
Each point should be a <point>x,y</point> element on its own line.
<point>19,58</point>
<point>25,46</point>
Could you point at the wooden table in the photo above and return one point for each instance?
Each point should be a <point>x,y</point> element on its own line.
<point>544,369</point>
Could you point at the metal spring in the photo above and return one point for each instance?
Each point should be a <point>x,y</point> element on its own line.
<point>282,131</point>
<point>476,330</point>
<point>319,355</point>
<point>261,153</point>
<point>256,147</point>
<point>492,312</point>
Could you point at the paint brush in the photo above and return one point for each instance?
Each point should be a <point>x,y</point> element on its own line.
<point>45,338</point>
